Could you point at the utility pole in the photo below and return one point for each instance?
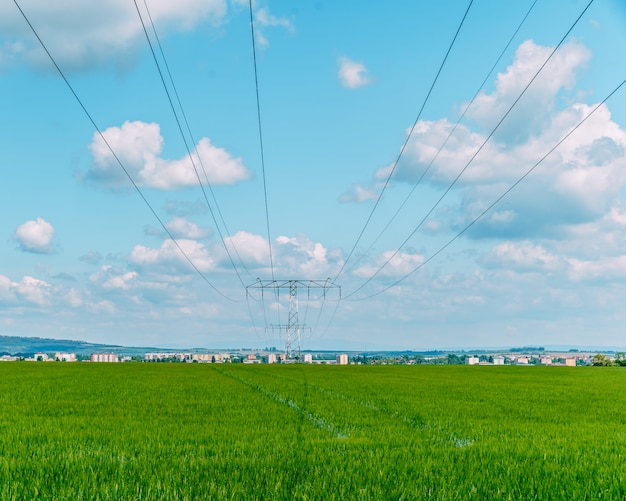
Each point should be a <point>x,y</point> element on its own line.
<point>293,328</point>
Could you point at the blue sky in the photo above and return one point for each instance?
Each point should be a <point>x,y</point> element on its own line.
<point>340,87</point>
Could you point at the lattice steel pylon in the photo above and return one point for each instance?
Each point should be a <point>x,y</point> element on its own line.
<point>293,329</point>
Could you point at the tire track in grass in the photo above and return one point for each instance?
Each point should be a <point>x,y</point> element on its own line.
<point>438,432</point>
<point>317,421</point>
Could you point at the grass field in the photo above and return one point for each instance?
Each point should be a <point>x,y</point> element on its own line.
<point>232,431</point>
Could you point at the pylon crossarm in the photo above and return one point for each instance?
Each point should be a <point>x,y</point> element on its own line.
<point>293,328</point>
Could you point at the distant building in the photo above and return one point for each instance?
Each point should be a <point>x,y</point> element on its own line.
<point>342,359</point>
<point>472,360</point>
<point>570,362</point>
<point>202,357</point>
<point>65,357</point>
<point>271,358</point>
<point>545,361</point>
<point>104,357</point>
<point>498,360</point>
<point>522,361</point>
<point>40,357</point>
<point>308,358</point>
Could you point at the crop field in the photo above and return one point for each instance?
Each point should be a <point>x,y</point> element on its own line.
<point>233,431</point>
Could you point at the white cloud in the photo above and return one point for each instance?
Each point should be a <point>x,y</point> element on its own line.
<point>29,289</point>
<point>138,146</point>
<point>291,255</point>
<point>607,269</point>
<point>251,248</point>
<point>35,236</point>
<point>180,227</point>
<point>580,182</point>
<point>399,265</point>
<point>170,257</point>
<point>358,194</point>
<point>300,255</point>
<point>263,19</point>
<point>352,74</point>
<point>537,104</point>
<point>523,256</point>
<point>101,32</point>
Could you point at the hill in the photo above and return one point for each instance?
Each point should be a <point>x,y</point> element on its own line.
<point>27,346</point>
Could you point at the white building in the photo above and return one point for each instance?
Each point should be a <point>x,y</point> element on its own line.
<point>498,360</point>
<point>104,357</point>
<point>545,361</point>
<point>65,357</point>
<point>472,360</point>
<point>202,357</point>
<point>40,357</point>
<point>271,358</point>
<point>342,359</point>
<point>308,358</point>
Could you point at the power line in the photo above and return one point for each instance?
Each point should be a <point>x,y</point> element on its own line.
<point>467,107</point>
<point>453,183</point>
<point>258,110</point>
<point>169,98</point>
<point>103,138</point>
<point>395,165</point>
<point>180,105</point>
<point>504,194</point>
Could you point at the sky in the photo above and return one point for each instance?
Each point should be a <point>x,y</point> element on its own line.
<point>439,174</point>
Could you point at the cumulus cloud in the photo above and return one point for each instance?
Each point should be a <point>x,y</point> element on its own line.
<point>358,194</point>
<point>170,258</point>
<point>301,255</point>
<point>252,249</point>
<point>397,266</point>
<point>578,183</point>
<point>28,290</point>
<point>535,108</point>
<point>180,227</point>
<point>523,256</point>
<point>35,236</point>
<point>352,75</point>
<point>101,32</point>
<point>608,269</point>
<point>111,278</point>
<point>138,146</point>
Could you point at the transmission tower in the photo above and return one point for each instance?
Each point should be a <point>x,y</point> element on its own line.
<point>293,329</point>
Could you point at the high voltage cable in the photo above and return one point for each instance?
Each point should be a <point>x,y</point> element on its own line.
<point>395,253</point>
<point>480,87</point>
<point>180,128</point>
<point>395,165</point>
<point>482,214</point>
<point>180,105</point>
<point>258,110</point>
<point>91,119</point>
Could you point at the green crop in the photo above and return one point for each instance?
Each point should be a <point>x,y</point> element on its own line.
<point>233,431</point>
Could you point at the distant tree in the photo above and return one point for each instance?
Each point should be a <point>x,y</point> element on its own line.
<point>620,359</point>
<point>601,360</point>
<point>454,359</point>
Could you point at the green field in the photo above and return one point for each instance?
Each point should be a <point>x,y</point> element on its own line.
<point>232,431</point>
